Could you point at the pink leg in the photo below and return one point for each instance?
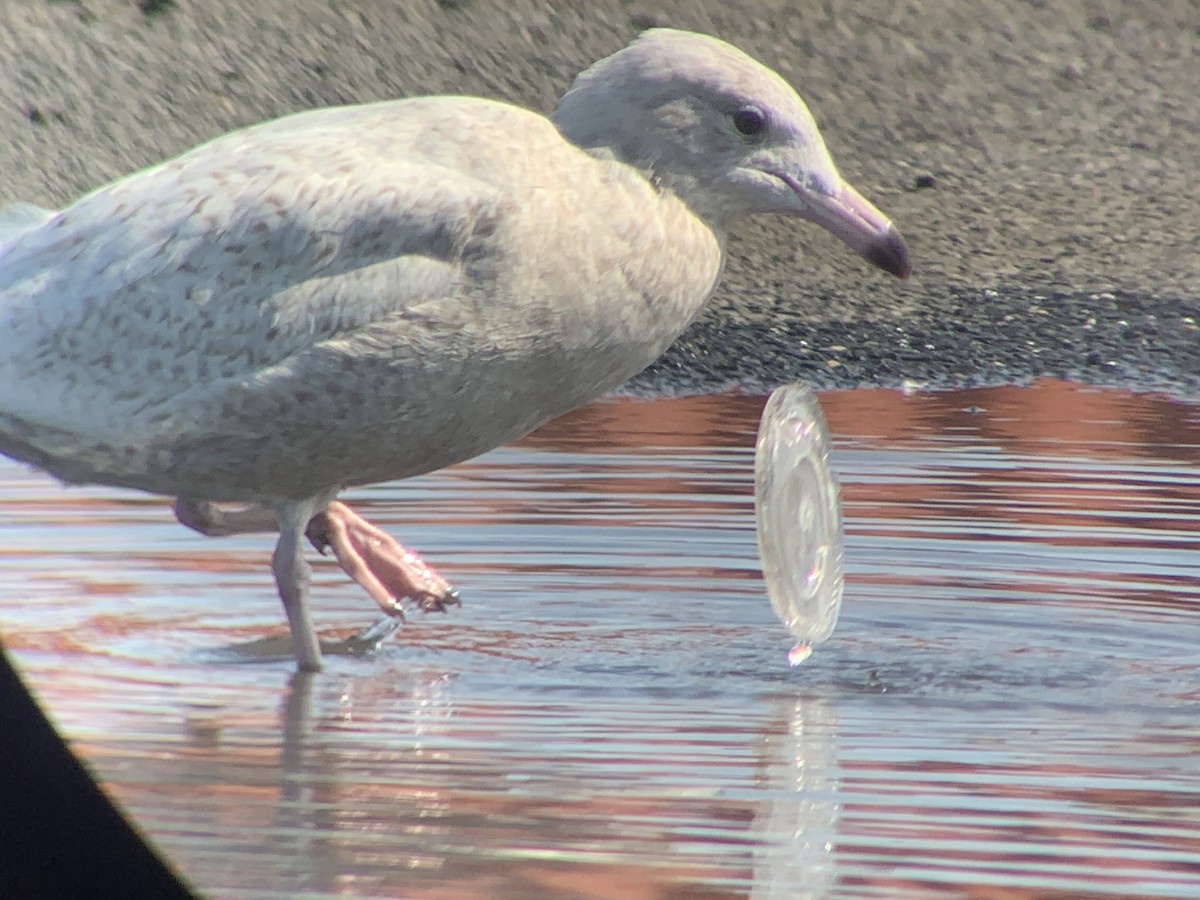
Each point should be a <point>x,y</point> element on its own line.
<point>383,568</point>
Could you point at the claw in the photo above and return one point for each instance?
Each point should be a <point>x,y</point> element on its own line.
<point>438,602</point>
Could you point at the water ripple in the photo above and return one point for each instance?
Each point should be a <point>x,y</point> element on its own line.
<point>1009,707</point>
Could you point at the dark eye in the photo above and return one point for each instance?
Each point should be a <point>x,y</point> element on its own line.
<point>750,121</point>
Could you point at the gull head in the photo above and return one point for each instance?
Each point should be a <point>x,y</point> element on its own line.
<point>725,134</point>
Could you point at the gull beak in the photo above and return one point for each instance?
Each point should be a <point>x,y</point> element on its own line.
<point>850,217</point>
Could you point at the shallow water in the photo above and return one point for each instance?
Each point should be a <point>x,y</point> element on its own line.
<point>1009,707</point>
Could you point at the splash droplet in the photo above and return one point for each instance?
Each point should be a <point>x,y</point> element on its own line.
<point>799,653</point>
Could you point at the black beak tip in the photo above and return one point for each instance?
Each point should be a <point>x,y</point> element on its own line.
<point>890,253</point>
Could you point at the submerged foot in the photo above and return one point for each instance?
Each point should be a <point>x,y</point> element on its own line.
<point>385,570</point>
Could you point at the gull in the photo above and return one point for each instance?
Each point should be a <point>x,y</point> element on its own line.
<point>360,294</point>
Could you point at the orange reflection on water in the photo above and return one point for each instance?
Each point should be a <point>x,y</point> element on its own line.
<point>614,720</point>
<point>1046,416</point>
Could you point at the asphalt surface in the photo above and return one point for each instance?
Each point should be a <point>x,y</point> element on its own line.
<point>1040,157</point>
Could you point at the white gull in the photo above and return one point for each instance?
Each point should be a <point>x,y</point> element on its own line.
<point>360,294</point>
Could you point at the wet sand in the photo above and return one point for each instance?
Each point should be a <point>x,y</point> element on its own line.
<point>1040,157</point>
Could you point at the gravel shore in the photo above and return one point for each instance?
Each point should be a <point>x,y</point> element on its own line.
<point>1041,157</point>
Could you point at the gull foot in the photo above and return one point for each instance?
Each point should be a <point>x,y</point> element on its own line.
<point>382,567</point>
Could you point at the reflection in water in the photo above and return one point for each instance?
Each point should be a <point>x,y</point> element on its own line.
<point>796,824</point>
<point>1009,706</point>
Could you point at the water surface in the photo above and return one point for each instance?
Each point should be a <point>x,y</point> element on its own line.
<point>1010,706</point>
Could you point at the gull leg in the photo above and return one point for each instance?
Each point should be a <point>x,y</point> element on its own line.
<point>381,566</point>
<point>292,576</point>
<point>209,519</point>
<point>388,572</point>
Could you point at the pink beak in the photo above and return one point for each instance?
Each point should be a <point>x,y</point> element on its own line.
<point>849,216</point>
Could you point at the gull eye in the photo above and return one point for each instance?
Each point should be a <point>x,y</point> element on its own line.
<point>750,121</point>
